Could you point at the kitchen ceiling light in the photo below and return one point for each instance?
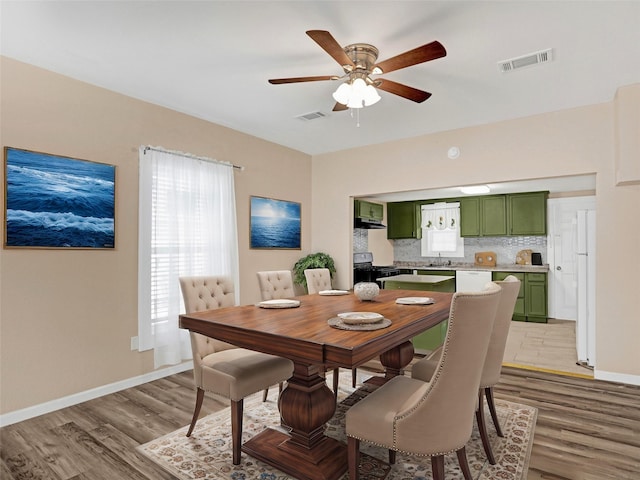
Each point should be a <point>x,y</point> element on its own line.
<point>475,190</point>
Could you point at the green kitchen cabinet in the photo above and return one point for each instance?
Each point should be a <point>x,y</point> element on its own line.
<point>483,216</point>
<point>470,217</point>
<point>406,283</point>
<point>368,210</point>
<point>535,285</point>
<point>432,338</point>
<point>515,214</point>
<point>528,213</point>
<point>519,310</point>
<point>446,273</point>
<point>493,215</point>
<point>531,305</point>
<point>404,220</point>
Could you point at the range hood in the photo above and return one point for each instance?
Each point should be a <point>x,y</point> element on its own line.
<point>367,223</point>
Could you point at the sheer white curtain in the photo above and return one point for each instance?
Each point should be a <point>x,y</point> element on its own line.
<point>187,226</point>
<point>441,230</point>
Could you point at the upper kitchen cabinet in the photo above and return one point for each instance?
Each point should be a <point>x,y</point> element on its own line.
<point>483,216</point>
<point>528,213</point>
<point>499,215</point>
<point>368,210</point>
<point>470,217</point>
<point>403,220</point>
<point>493,215</point>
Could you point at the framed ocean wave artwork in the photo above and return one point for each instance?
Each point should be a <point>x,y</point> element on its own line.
<point>53,201</point>
<point>274,224</point>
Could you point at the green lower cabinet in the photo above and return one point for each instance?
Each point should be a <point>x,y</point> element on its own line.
<point>434,337</point>
<point>535,285</point>
<point>431,339</point>
<point>445,286</point>
<point>444,273</point>
<point>531,305</point>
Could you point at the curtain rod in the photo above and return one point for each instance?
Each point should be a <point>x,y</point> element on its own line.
<point>189,155</point>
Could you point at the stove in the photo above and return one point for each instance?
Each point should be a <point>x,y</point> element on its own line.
<point>365,271</point>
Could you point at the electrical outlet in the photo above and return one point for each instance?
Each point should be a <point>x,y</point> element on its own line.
<point>134,343</point>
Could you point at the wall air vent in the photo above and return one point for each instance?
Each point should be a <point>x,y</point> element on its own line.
<point>543,56</point>
<point>310,116</point>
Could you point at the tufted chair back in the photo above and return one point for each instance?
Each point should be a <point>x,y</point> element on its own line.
<point>276,284</point>
<point>317,279</point>
<point>206,293</point>
<point>222,368</point>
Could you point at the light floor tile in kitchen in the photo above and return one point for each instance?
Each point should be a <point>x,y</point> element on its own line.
<point>544,346</point>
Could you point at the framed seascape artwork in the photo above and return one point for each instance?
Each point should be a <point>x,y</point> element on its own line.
<point>58,202</point>
<point>274,223</point>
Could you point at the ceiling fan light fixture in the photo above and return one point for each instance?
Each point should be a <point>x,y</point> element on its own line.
<point>370,96</point>
<point>356,94</point>
<point>343,93</point>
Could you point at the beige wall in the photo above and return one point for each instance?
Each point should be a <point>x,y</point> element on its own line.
<point>570,142</point>
<point>67,316</point>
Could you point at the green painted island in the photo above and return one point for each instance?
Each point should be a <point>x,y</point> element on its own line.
<point>430,339</point>
<point>434,283</point>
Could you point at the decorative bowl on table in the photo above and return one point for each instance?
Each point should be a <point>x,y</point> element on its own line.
<point>366,290</point>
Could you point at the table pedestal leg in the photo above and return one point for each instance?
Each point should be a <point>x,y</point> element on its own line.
<point>394,361</point>
<point>306,405</point>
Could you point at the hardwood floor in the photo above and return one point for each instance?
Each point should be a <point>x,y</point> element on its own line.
<point>550,346</point>
<point>586,429</point>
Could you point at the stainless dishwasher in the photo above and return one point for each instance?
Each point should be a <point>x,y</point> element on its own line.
<point>472,280</point>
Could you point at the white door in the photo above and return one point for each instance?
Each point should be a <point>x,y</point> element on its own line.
<point>562,254</point>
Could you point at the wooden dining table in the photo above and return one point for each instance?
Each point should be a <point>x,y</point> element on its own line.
<point>303,334</point>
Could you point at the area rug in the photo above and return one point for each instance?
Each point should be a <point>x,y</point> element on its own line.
<point>207,453</point>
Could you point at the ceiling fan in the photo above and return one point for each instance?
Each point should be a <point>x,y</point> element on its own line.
<point>358,61</point>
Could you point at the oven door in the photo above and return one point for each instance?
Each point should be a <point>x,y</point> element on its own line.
<point>363,275</point>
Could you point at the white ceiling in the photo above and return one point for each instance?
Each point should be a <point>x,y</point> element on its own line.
<point>212,59</point>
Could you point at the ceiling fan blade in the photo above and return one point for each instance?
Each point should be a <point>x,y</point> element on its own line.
<point>278,81</point>
<point>422,54</point>
<point>338,107</point>
<point>331,46</point>
<point>405,91</point>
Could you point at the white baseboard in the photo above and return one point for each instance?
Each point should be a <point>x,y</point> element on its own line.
<point>616,377</point>
<point>47,407</point>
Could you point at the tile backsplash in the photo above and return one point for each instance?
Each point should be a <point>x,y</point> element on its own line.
<point>360,240</point>
<point>506,249</point>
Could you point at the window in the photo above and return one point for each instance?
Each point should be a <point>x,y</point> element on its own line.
<point>441,230</point>
<point>187,226</point>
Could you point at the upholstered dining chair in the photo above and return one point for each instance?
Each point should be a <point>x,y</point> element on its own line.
<point>276,284</point>
<point>318,279</point>
<point>424,369</point>
<point>436,417</point>
<point>222,368</point>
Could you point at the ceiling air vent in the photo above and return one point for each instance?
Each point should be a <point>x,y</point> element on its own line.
<point>310,116</point>
<point>534,58</point>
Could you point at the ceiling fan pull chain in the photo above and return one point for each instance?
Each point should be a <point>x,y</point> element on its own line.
<point>357,117</point>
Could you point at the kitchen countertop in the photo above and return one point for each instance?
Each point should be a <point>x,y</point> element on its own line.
<point>407,277</point>
<point>505,267</point>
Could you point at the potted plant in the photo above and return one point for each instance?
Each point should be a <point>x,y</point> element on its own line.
<point>313,260</point>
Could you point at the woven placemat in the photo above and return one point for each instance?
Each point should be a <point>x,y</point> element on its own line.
<point>337,322</point>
